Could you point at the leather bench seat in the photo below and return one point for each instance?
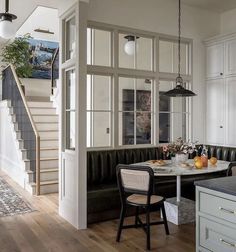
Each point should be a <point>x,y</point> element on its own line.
<point>103,195</point>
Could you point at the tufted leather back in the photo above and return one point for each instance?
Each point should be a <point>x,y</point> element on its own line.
<point>101,165</point>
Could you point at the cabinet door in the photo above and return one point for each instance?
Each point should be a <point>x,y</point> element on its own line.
<point>215,60</point>
<point>230,64</point>
<point>231,111</point>
<point>215,111</point>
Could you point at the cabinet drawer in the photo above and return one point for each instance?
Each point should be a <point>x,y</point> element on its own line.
<point>216,237</point>
<point>218,207</point>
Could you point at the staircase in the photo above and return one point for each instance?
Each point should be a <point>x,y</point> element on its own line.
<point>46,121</point>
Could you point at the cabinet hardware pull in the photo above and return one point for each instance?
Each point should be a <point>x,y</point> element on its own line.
<point>221,126</point>
<point>227,210</point>
<point>228,243</point>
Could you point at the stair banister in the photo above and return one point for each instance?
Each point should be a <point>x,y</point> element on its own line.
<point>37,137</point>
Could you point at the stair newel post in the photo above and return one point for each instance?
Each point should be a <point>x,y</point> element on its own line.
<point>37,165</point>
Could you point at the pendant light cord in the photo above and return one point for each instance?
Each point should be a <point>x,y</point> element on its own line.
<point>6,6</point>
<point>179,39</point>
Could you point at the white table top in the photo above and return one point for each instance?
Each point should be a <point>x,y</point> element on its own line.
<point>173,170</point>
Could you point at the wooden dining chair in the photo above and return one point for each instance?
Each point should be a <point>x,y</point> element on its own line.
<point>231,171</point>
<point>136,186</point>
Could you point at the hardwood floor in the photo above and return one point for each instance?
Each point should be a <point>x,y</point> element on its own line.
<point>44,230</point>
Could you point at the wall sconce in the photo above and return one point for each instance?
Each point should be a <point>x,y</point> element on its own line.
<point>129,47</point>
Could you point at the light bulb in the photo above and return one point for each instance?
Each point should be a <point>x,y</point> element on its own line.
<point>7,29</point>
<point>130,47</point>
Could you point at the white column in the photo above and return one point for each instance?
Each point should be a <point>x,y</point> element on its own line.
<point>178,188</point>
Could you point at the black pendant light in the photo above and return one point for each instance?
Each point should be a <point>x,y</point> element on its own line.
<point>7,28</point>
<point>179,90</point>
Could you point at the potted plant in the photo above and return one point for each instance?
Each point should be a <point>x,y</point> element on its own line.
<point>17,53</point>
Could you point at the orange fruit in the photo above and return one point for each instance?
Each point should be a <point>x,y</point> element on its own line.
<point>197,158</point>
<point>213,160</point>
<point>199,164</point>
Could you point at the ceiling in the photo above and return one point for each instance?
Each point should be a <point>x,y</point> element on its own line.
<point>213,5</point>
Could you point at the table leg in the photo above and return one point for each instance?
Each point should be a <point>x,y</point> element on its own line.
<point>178,188</point>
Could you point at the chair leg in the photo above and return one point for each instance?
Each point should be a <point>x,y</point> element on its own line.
<point>165,219</point>
<point>122,216</point>
<point>136,216</point>
<point>148,227</point>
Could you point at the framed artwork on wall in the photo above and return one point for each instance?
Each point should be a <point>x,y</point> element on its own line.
<point>41,55</point>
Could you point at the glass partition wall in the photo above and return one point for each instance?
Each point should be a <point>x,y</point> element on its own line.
<point>128,72</point>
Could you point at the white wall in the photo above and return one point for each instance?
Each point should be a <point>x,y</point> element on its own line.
<point>161,16</point>
<point>43,18</point>
<point>10,159</point>
<point>228,22</point>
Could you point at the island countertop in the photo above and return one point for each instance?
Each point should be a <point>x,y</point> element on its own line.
<point>224,185</point>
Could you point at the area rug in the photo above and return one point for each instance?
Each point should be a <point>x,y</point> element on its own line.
<point>11,203</point>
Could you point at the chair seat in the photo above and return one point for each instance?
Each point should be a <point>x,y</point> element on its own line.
<point>142,199</point>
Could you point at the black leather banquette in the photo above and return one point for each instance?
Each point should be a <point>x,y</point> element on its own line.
<point>103,195</point>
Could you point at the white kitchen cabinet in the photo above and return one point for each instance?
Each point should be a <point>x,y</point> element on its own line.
<point>215,60</point>
<point>230,57</point>
<point>230,94</point>
<point>215,111</point>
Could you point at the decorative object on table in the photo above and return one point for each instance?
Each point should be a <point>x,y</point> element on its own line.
<point>204,156</point>
<point>41,56</point>
<point>7,27</point>
<point>213,161</point>
<point>17,54</point>
<point>179,90</point>
<point>11,203</point>
<point>179,150</point>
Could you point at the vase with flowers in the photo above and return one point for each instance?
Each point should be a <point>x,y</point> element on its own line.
<point>179,150</point>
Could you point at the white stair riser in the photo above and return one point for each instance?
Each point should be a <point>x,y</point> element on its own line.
<point>35,104</point>
<point>48,164</point>
<point>44,176</point>
<point>42,111</point>
<point>49,143</point>
<point>46,118</point>
<point>49,153</point>
<point>44,189</point>
<point>47,126</point>
<point>43,154</point>
<point>45,164</point>
<point>48,134</point>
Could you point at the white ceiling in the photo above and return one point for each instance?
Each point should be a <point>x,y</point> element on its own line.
<point>213,5</point>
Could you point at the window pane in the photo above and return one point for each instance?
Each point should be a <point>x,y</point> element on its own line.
<point>164,127</point>
<point>98,47</point>
<point>135,52</point>
<point>143,128</point>
<point>168,60</point>
<point>126,94</point>
<point>164,101</point>
<point>98,92</point>
<point>144,54</point>
<point>126,128</point>
<point>70,38</point>
<point>70,89</point>
<point>70,129</point>
<point>98,129</point>
<point>126,60</point>
<point>143,95</point>
<point>178,126</point>
<point>165,56</point>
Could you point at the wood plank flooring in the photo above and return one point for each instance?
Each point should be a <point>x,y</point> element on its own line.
<point>45,231</point>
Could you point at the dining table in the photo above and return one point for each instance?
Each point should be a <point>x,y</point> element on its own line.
<point>177,207</point>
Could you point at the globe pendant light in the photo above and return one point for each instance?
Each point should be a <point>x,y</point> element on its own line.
<point>7,28</point>
<point>179,90</point>
<point>129,47</point>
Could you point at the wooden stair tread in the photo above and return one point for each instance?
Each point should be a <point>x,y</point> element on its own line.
<point>45,183</point>
<point>45,170</point>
